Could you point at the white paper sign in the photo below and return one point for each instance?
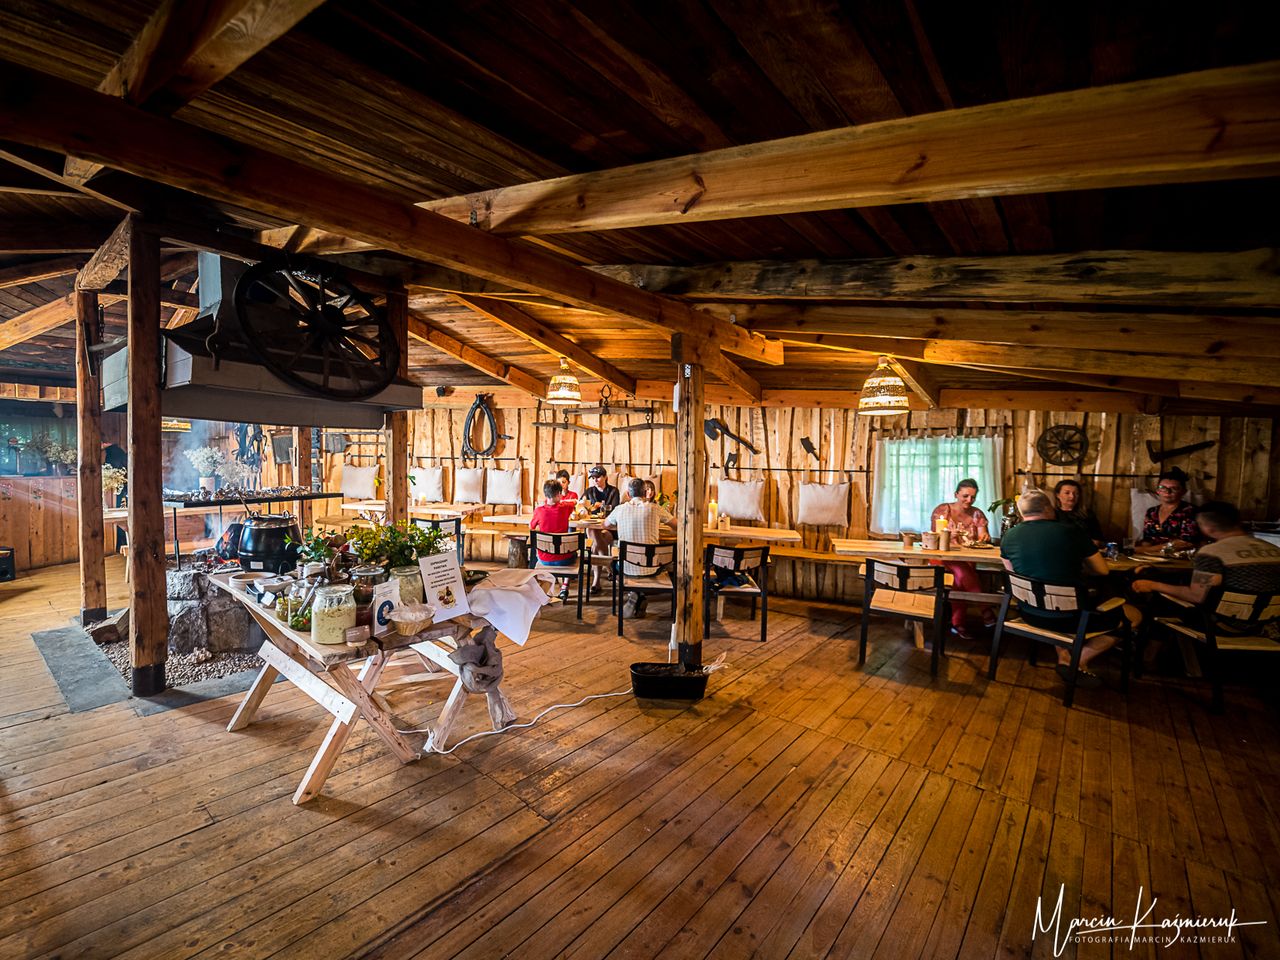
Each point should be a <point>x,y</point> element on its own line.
<point>442,581</point>
<point>386,597</point>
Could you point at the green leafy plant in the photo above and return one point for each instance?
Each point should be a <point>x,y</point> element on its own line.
<point>1004,505</point>
<point>398,545</point>
<point>318,546</point>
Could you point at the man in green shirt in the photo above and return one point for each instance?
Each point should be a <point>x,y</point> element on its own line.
<point>1058,553</point>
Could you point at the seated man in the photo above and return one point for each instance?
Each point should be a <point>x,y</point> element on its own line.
<point>1232,558</point>
<point>601,498</point>
<point>638,521</point>
<point>553,517</point>
<point>1059,553</point>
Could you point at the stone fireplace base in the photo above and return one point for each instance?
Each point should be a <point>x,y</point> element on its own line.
<point>201,616</point>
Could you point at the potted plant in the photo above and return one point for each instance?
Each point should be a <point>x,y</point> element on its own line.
<point>208,462</point>
<point>405,544</point>
<point>318,551</point>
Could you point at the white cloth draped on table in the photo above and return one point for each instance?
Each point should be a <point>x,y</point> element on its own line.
<point>510,600</point>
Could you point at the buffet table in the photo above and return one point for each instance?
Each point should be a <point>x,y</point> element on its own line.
<point>343,679</point>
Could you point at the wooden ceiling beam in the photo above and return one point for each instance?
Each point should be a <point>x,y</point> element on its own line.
<point>46,112</point>
<point>109,260</point>
<point>49,236</point>
<point>1002,398</point>
<point>1180,334</point>
<point>512,318</point>
<point>919,379</point>
<point>1211,125</point>
<point>39,270</point>
<point>433,336</point>
<point>1210,279</point>
<point>41,319</point>
<point>185,48</point>
<point>685,349</point>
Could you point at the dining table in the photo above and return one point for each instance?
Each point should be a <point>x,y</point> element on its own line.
<point>431,511</point>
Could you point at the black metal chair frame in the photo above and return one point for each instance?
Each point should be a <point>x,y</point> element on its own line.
<point>740,560</point>
<point>445,523</point>
<point>563,543</point>
<point>648,556</point>
<point>1204,627</point>
<point>901,574</point>
<point>1073,598</point>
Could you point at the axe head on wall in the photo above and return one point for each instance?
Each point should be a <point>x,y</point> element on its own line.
<point>1158,456</point>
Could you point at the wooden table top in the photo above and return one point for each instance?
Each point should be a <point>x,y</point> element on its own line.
<point>417,509</point>
<point>894,548</point>
<point>733,532</point>
<point>329,654</point>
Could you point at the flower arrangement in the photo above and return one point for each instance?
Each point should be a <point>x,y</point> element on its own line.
<point>55,452</point>
<point>318,546</point>
<point>114,478</point>
<point>208,461</point>
<point>398,545</point>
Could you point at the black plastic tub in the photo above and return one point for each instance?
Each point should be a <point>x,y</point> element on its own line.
<point>667,681</point>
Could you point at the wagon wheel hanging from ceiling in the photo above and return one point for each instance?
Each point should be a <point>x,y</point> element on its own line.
<point>314,330</point>
<point>1062,445</point>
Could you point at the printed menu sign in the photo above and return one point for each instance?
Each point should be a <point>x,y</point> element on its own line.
<point>386,597</point>
<point>442,580</point>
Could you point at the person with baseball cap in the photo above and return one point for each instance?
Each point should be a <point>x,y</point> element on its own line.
<point>601,498</point>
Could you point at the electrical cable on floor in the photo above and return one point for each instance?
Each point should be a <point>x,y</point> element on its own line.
<point>430,747</point>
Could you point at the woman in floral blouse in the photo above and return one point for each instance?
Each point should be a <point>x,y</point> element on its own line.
<point>1173,519</point>
<point>967,524</point>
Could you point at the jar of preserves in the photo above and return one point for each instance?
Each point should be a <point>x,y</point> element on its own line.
<point>363,579</point>
<point>333,612</point>
<point>409,579</point>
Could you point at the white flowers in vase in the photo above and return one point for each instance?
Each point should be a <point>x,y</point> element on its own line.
<point>114,478</point>
<point>208,461</point>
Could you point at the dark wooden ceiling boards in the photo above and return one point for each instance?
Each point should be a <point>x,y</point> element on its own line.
<point>426,100</point>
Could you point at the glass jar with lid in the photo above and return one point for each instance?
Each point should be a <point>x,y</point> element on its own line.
<point>363,579</point>
<point>409,579</point>
<point>333,612</point>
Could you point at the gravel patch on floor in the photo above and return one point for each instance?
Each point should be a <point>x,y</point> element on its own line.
<point>184,668</point>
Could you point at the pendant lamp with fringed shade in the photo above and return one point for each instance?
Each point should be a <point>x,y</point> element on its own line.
<point>565,390</point>
<point>884,393</point>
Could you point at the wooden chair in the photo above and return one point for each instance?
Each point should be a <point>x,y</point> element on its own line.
<point>744,561</point>
<point>1253,610</point>
<point>563,543</point>
<point>452,526</point>
<point>916,592</point>
<point>1038,596</point>
<point>661,555</point>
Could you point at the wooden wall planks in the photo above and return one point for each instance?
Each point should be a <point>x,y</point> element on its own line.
<point>1241,468</point>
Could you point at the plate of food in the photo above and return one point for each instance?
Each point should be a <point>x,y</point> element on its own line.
<point>984,545</point>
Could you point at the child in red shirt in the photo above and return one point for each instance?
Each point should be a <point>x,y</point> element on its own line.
<point>553,517</point>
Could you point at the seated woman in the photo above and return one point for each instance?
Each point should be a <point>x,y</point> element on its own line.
<point>1173,520</point>
<point>1069,499</point>
<point>967,524</point>
<point>650,491</point>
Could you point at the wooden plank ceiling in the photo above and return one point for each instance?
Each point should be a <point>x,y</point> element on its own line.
<point>426,101</point>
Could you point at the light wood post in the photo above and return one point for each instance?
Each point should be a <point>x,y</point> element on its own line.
<point>302,473</point>
<point>149,611</point>
<point>93,568</point>
<point>395,464</point>
<point>691,460</point>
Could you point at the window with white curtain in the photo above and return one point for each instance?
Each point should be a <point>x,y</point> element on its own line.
<point>914,475</point>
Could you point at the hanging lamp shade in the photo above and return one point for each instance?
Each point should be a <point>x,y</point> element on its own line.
<point>884,393</point>
<point>564,389</point>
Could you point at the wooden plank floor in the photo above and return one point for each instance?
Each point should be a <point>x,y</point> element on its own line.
<point>807,808</point>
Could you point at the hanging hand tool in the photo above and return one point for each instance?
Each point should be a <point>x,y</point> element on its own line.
<point>810,449</point>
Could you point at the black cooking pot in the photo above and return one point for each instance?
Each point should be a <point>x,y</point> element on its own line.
<point>269,542</point>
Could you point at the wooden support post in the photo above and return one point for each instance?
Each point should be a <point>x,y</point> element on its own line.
<point>302,472</point>
<point>149,612</point>
<point>691,460</point>
<point>395,466</point>
<point>93,568</point>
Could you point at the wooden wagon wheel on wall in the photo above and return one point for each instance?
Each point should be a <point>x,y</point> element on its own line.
<point>314,330</point>
<point>1063,445</point>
